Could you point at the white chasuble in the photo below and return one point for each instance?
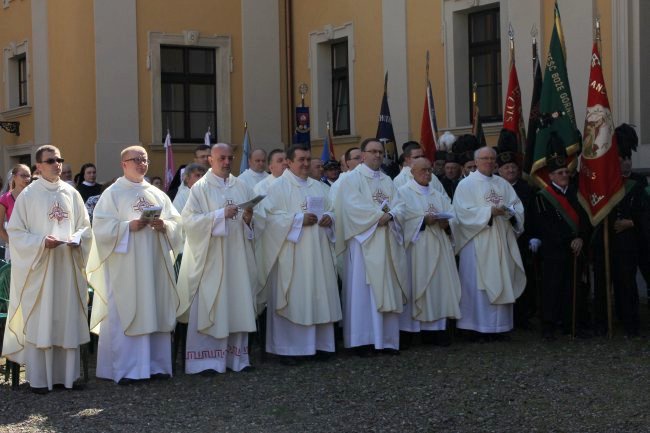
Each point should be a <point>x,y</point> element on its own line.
<point>358,207</point>
<point>49,292</point>
<point>405,176</point>
<point>499,269</point>
<point>306,285</point>
<point>137,267</point>
<point>435,286</point>
<point>252,178</point>
<point>218,267</point>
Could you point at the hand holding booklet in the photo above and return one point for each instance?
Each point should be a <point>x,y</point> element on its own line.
<point>151,213</point>
<point>75,239</point>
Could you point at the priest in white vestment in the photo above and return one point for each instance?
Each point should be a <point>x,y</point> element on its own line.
<point>256,171</point>
<point>217,280</point>
<point>138,234</point>
<point>352,159</point>
<point>374,281</point>
<point>434,289</point>
<point>413,152</point>
<point>193,172</point>
<point>303,296</point>
<point>489,217</point>
<point>50,239</point>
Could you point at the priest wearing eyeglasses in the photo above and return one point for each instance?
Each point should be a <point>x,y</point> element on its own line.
<point>138,233</point>
<point>50,240</point>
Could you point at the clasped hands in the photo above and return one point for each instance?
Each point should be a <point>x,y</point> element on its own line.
<point>309,219</point>
<point>431,219</point>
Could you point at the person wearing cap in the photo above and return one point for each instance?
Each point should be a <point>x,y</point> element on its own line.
<point>558,231</point>
<point>628,231</point>
<point>509,168</point>
<point>434,287</point>
<point>491,271</point>
<point>465,147</point>
<point>412,151</point>
<point>331,171</point>
<point>451,175</point>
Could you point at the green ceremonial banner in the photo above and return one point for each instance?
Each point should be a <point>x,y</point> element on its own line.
<point>556,107</point>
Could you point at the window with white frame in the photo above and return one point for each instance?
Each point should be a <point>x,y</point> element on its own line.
<point>331,63</point>
<point>16,76</point>
<point>190,86</point>
<point>473,37</point>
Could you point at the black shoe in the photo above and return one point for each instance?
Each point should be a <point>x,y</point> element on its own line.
<point>39,391</point>
<point>323,356</point>
<point>125,381</point>
<point>548,336</point>
<point>247,369</point>
<point>441,338</point>
<point>364,351</point>
<point>209,373</point>
<point>405,339</point>
<point>290,361</point>
<point>160,376</point>
<point>76,386</point>
<point>392,352</point>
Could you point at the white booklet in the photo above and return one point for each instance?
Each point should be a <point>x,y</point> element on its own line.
<point>443,215</point>
<point>316,205</point>
<point>75,239</point>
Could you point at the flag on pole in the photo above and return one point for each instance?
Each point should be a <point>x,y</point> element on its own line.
<point>206,139</point>
<point>477,125</point>
<point>303,134</point>
<point>600,182</point>
<point>386,135</point>
<point>534,115</point>
<point>246,150</point>
<point>328,147</point>
<point>512,115</point>
<point>556,107</point>
<point>429,127</point>
<point>169,161</point>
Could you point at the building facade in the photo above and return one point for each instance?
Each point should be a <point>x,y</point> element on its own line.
<point>92,77</point>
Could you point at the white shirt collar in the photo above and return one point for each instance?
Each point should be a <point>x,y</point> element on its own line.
<point>299,180</point>
<point>374,173</point>
<point>560,188</point>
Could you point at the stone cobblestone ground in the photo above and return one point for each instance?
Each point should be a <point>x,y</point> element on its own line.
<point>523,384</point>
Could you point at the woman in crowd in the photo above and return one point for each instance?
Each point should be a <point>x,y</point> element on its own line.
<point>20,178</point>
<point>86,181</point>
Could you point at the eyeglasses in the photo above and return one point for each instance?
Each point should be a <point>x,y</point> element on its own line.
<point>375,152</point>
<point>138,160</point>
<point>25,176</point>
<point>53,160</point>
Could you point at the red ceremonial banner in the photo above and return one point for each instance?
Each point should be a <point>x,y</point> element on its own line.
<point>600,184</point>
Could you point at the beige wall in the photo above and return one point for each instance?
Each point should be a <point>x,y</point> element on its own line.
<point>72,80</point>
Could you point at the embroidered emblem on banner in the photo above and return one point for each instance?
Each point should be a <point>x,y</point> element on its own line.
<point>379,197</point>
<point>140,204</point>
<point>57,212</point>
<point>493,197</point>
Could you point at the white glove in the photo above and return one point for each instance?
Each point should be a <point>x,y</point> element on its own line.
<point>534,244</point>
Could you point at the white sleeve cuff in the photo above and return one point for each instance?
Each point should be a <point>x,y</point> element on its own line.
<point>123,244</point>
<point>219,224</point>
<point>296,228</point>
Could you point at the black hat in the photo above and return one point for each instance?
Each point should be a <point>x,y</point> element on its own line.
<point>626,139</point>
<point>332,163</point>
<point>507,148</point>
<point>465,147</point>
<point>556,156</point>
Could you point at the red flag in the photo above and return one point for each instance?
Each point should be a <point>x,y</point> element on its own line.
<point>512,117</point>
<point>601,183</point>
<point>169,161</point>
<point>429,128</point>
